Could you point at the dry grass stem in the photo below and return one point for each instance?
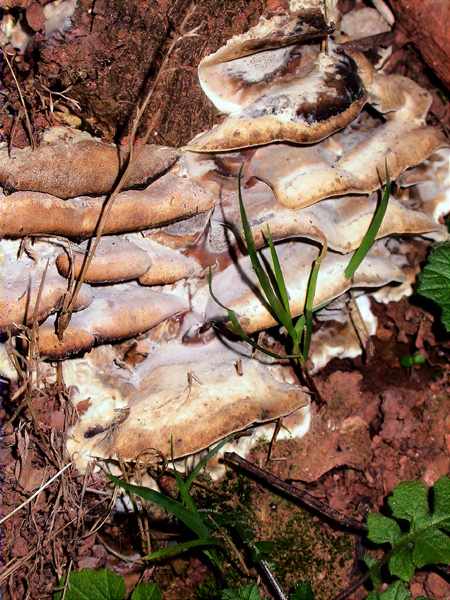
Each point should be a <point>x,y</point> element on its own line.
<point>22,100</point>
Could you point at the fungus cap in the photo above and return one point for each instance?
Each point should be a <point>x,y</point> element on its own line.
<point>169,409</point>
<point>116,259</point>
<point>119,312</point>
<point>80,164</point>
<point>236,286</point>
<point>171,197</point>
<point>21,299</point>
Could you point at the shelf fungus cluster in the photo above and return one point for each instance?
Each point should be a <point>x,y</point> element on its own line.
<point>312,127</point>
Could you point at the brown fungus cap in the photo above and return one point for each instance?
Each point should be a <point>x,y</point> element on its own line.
<point>116,259</point>
<point>277,85</point>
<point>167,411</point>
<point>351,161</point>
<point>342,221</point>
<point>20,299</point>
<point>79,164</point>
<point>119,312</point>
<point>235,286</point>
<point>168,265</point>
<point>306,110</point>
<point>171,197</point>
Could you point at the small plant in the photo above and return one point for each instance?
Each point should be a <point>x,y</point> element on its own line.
<point>434,281</point>
<point>185,510</point>
<point>412,360</point>
<point>417,532</point>
<point>274,292</point>
<point>103,584</point>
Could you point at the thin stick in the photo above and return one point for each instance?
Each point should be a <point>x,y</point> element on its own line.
<point>302,496</point>
<point>36,493</point>
<point>271,581</point>
<point>22,100</point>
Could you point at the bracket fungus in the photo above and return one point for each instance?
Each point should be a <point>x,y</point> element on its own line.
<point>311,129</point>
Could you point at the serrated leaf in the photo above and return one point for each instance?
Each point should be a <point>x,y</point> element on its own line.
<point>90,584</point>
<point>302,591</point>
<point>426,542</point>
<point>247,592</point>
<point>401,563</point>
<point>434,281</point>
<point>382,529</point>
<point>396,591</point>
<point>441,503</point>
<point>432,546</point>
<point>146,591</point>
<point>409,500</point>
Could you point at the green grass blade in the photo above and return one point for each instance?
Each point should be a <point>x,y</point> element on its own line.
<point>192,521</point>
<point>172,551</point>
<point>195,472</point>
<point>279,277</point>
<point>371,233</point>
<point>309,302</point>
<point>183,490</point>
<point>273,304</point>
<point>236,328</point>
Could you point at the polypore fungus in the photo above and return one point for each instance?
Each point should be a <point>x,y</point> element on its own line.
<point>277,85</point>
<point>115,313</point>
<point>80,164</point>
<point>174,384</point>
<point>171,197</point>
<point>180,387</point>
<point>31,287</point>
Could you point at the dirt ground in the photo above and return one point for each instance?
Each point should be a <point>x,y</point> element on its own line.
<point>379,424</point>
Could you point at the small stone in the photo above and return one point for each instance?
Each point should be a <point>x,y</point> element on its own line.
<point>436,469</point>
<point>437,587</point>
<point>35,17</point>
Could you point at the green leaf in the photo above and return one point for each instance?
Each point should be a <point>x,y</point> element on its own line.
<point>90,584</point>
<point>425,542</point>
<point>193,521</point>
<point>279,277</point>
<point>432,546</point>
<point>237,329</point>
<point>396,591</point>
<point>371,233</point>
<point>441,504</point>
<point>434,281</point>
<point>302,591</point>
<point>382,529</point>
<point>146,591</point>
<point>401,563</point>
<point>409,500</point>
<point>411,360</point>
<point>204,461</point>
<point>171,551</point>
<point>247,592</point>
<point>309,302</point>
<point>273,303</point>
<point>374,567</point>
<point>262,549</point>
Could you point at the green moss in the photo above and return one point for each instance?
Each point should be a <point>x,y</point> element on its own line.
<point>304,550</point>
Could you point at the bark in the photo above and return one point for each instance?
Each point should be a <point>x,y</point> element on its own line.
<point>427,24</point>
